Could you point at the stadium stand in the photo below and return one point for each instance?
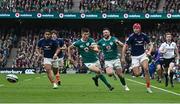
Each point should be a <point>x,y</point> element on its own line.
<point>119,5</point>
<point>36,5</point>
<point>172,6</point>
<point>6,42</point>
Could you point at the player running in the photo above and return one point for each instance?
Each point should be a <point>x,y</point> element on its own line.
<point>109,46</point>
<point>59,62</point>
<point>159,62</point>
<point>169,49</point>
<point>88,49</point>
<point>137,41</point>
<point>50,51</point>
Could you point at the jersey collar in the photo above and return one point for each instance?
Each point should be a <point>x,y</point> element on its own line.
<point>107,39</point>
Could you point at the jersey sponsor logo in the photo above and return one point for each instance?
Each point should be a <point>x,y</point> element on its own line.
<point>86,49</point>
<point>139,42</point>
<point>81,46</point>
<point>87,44</point>
<point>108,47</point>
<point>47,47</point>
<point>111,43</point>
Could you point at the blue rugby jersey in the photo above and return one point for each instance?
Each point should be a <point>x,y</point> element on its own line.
<point>49,47</point>
<point>137,43</point>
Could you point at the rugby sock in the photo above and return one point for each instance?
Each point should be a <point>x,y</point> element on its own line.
<point>57,76</point>
<point>104,80</point>
<point>122,79</point>
<point>166,79</point>
<point>148,84</point>
<point>171,78</point>
<point>97,76</point>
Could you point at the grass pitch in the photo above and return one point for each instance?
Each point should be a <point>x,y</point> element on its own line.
<point>79,88</point>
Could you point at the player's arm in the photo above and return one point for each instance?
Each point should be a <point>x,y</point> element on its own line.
<point>55,56</point>
<point>149,43</point>
<point>150,48</point>
<point>94,47</point>
<point>119,43</point>
<point>56,53</point>
<point>125,46</point>
<point>64,47</point>
<point>39,49</point>
<point>177,55</point>
<point>162,49</point>
<point>70,50</point>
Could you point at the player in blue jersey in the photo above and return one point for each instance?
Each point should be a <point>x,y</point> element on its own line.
<point>50,50</point>
<point>159,62</point>
<point>137,40</point>
<point>58,63</point>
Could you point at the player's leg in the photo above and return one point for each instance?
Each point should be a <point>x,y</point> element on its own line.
<point>166,65</point>
<point>146,72</point>
<point>159,72</point>
<point>118,69</point>
<point>135,66</point>
<point>55,67</point>
<point>61,65</point>
<point>171,73</point>
<point>48,68</point>
<point>99,75</point>
<point>109,69</point>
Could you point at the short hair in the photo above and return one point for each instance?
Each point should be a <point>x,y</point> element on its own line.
<point>83,30</point>
<point>54,31</point>
<point>47,30</point>
<point>168,33</point>
<point>106,29</point>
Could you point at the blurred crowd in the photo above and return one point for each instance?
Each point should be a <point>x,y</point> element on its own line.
<point>48,6</point>
<point>36,5</point>
<point>119,5</point>
<point>172,6</point>
<point>6,43</point>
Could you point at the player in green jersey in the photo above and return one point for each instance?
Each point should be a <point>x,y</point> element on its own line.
<point>88,49</point>
<point>109,46</point>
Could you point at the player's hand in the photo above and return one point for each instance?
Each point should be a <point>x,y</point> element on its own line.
<point>71,60</point>
<point>123,61</point>
<point>40,55</point>
<point>55,56</point>
<point>94,48</point>
<point>148,53</point>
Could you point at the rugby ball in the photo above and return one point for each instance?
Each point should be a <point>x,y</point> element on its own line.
<point>12,78</point>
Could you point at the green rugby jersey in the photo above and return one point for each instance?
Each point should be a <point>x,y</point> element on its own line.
<point>109,48</point>
<point>88,55</point>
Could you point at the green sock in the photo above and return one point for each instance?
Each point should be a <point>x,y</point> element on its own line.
<point>122,80</point>
<point>97,76</point>
<point>104,80</point>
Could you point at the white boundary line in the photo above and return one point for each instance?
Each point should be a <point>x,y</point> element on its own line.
<point>154,87</point>
<point>1,85</point>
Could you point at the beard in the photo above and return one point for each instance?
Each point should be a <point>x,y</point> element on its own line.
<point>107,37</point>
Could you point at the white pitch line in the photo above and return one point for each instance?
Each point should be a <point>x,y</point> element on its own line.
<point>155,87</point>
<point>1,85</point>
<point>28,79</point>
<point>37,77</point>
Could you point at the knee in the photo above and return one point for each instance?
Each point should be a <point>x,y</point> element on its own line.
<point>136,73</point>
<point>146,71</point>
<point>109,74</point>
